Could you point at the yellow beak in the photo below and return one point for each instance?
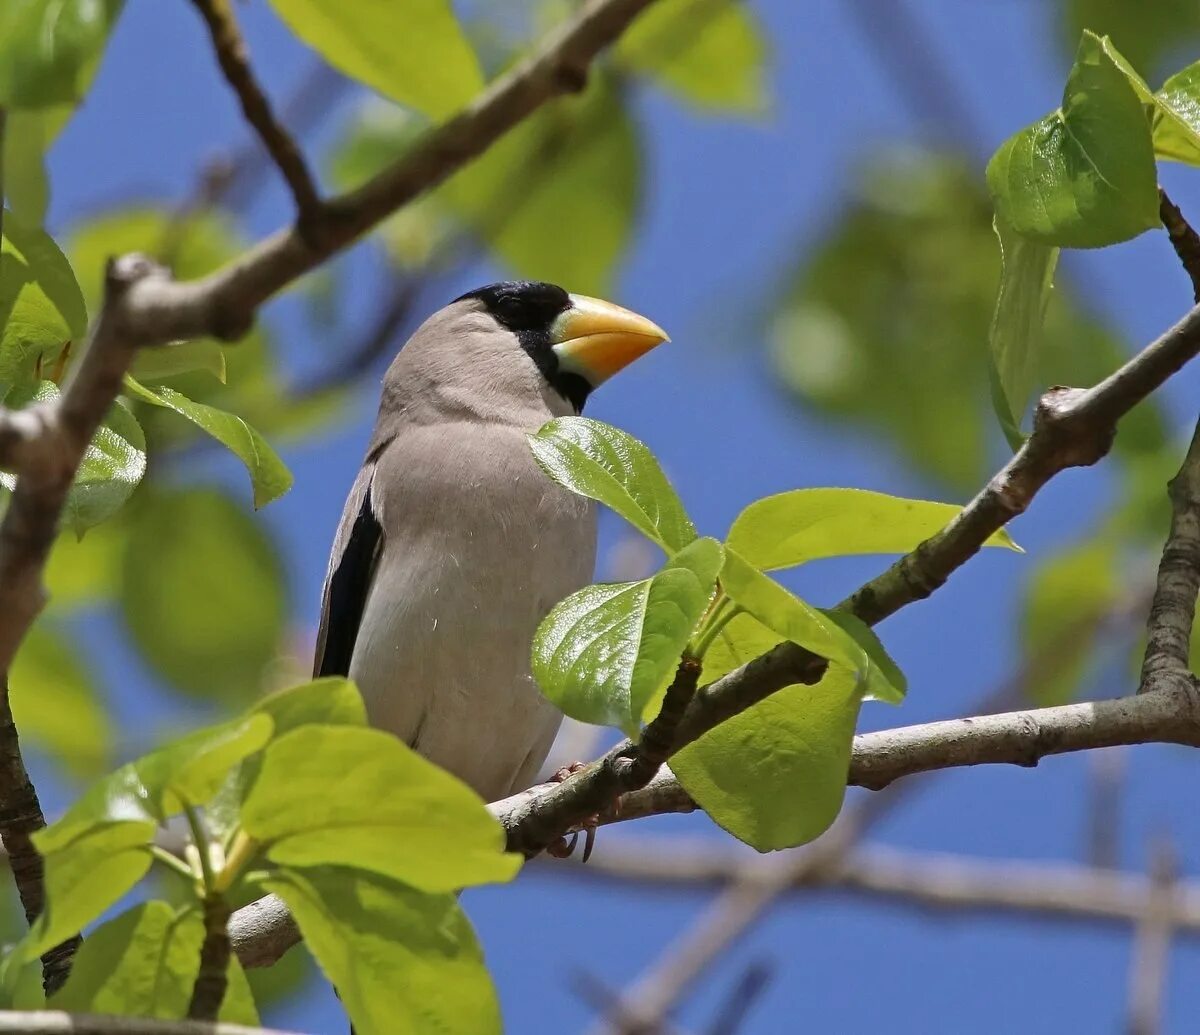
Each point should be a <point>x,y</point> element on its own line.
<point>595,339</point>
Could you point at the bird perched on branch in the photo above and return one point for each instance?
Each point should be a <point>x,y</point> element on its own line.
<point>453,545</point>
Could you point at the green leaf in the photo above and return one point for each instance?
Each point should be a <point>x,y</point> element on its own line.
<point>439,73</point>
<point>1147,32</point>
<point>144,963</point>
<point>50,679</point>
<point>803,525</point>
<point>23,165</point>
<point>1025,281</point>
<point>401,961</point>
<point>203,593</point>
<point>163,361</point>
<point>1176,119</point>
<point>577,159</point>
<point>606,464</point>
<point>83,572</point>
<point>268,474</point>
<point>608,652</point>
<point>712,53</point>
<point>112,465</point>
<point>346,796</point>
<point>49,48</point>
<point>883,680</point>
<point>331,701</point>
<point>774,775</point>
<point>1063,606</point>
<point>1084,176</point>
<point>98,850</point>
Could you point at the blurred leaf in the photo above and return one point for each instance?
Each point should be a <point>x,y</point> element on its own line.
<point>163,361</point>
<point>57,705</point>
<point>23,166</point>
<point>803,525</point>
<point>608,652</point>
<point>606,464</point>
<point>269,475</point>
<point>400,960</point>
<point>97,851</point>
<point>203,594</point>
<point>439,72</point>
<point>49,48</point>
<point>194,247</point>
<point>1066,600</point>
<point>1145,32</point>
<point>85,571</point>
<point>1084,176</point>
<point>1025,279</point>
<point>555,198</point>
<point>144,963</point>
<point>111,468</point>
<point>394,813</point>
<point>711,53</point>
<point>774,776</point>
<point>886,321</point>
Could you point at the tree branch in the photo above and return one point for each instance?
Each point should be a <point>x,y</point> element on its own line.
<point>209,990</point>
<point>57,1022</point>
<point>233,58</point>
<point>1183,237</point>
<point>1152,947</point>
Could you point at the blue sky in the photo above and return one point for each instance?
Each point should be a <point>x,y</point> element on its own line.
<point>727,208</point>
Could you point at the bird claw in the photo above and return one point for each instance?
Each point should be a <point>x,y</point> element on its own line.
<point>565,845</point>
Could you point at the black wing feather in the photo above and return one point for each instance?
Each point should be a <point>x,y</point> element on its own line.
<point>349,584</point>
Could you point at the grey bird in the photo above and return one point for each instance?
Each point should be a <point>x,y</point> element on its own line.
<point>453,545</point>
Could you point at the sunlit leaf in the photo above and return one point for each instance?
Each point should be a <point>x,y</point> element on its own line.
<point>23,166</point>
<point>803,525</point>
<point>438,73</point>
<point>608,651</point>
<point>144,963</point>
<point>203,593</point>
<point>1084,176</point>
<point>164,361</point>
<point>712,53</point>
<point>347,796</point>
<point>400,960</point>
<point>49,48</point>
<point>56,703</point>
<point>606,464</point>
<point>1177,117</point>
<point>269,475</point>
<point>774,775</point>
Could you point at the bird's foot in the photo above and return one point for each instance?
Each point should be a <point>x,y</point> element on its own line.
<point>565,845</point>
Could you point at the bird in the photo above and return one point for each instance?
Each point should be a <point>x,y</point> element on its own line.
<point>453,545</point>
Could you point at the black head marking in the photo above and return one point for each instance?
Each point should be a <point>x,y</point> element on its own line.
<point>529,308</point>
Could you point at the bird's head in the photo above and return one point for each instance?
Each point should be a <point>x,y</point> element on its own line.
<point>575,341</point>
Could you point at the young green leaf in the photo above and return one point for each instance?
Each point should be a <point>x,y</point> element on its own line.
<point>99,849</point>
<point>143,963</point>
<point>774,776</point>
<point>402,961</point>
<point>49,49</point>
<point>268,474</point>
<point>1176,119</point>
<point>1084,176</point>
<point>50,679</point>
<point>804,525</point>
<point>439,73</point>
<point>608,465</point>
<point>1026,276</point>
<point>608,651</point>
<point>882,680</point>
<point>23,165</point>
<point>331,701</point>
<point>216,639</point>
<point>393,812</point>
<point>163,361</point>
<point>712,53</point>
<point>111,468</point>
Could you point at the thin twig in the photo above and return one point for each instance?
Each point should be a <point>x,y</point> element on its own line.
<point>234,61</point>
<point>1152,947</point>
<point>1183,237</point>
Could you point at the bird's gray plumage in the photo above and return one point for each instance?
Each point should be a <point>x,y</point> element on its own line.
<point>452,547</point>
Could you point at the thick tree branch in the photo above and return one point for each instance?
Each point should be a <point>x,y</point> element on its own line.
<point>209,990</point>
<point>233,58</point>
<point>56,1022</point>
<point>1185,240</point>
<point>224,303</point>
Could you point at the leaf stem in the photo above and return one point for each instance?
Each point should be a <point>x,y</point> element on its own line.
<point>203,845</point>
<point>173,862</point>
<point>720,616</point>
<point>242,850</point>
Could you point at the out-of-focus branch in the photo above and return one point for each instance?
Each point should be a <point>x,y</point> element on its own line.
<point>233,58</point>
<point>1185,240</point>
<point>1106,778</point>
<point>57,1022</point>
<point>1152,947</point>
